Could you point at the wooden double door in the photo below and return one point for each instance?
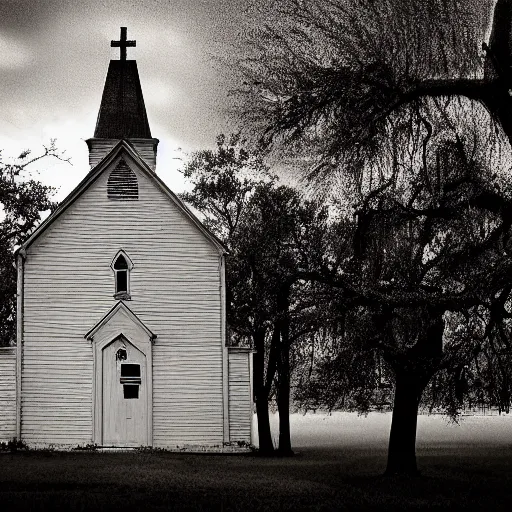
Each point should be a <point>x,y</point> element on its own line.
<point>125,395</point>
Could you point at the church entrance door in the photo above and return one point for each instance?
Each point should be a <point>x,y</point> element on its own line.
<point>125,395</point>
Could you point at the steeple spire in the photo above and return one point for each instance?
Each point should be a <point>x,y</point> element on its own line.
<point>122,113</point>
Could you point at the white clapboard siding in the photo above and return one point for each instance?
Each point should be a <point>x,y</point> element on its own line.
<point>7,393</point>
<point>99,148</point>
<point>240,398</point>
<point>175,290</point>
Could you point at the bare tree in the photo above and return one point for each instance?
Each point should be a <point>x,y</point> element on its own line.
<point>404,102</point>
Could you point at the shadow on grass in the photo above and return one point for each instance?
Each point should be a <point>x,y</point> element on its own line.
<point>314,479</point>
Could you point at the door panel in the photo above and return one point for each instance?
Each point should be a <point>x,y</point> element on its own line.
<point>124,395</point>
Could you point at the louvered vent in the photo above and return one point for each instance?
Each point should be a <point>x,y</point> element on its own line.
<point>122,183</point>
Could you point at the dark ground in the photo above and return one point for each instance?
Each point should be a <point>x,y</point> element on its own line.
<point>453,477</point>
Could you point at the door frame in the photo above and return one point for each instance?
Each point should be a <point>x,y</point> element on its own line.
<point>120,320</point>
<point>100,394</point>
<point>97,409</point>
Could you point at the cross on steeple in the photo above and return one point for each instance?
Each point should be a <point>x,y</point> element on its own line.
<point>123,44</point>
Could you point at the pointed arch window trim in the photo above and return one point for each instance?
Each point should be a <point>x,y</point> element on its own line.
<point>121,265</point>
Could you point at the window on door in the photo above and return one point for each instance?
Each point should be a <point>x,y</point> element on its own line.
<point>130,391</point>
<point>130,379</point>
<point>130,371</point>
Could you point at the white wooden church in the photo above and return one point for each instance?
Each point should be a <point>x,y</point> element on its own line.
<point>121,334</point>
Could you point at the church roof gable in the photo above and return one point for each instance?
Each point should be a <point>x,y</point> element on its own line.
<point>121,147</point>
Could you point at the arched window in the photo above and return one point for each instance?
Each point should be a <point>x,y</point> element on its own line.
<point>121,265</point>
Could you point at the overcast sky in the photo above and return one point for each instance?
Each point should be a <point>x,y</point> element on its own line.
<point>54,56</point>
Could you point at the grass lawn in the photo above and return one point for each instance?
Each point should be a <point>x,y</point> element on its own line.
<point>465,467</point>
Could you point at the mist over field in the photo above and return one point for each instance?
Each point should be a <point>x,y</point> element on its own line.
<point>340,429</point>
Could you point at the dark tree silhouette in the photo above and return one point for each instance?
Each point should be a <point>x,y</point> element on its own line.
<point>408,105</point>
<point>275,236</point>
<point>22,199</point>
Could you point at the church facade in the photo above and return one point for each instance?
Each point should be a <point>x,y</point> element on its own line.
<point>121,306</point>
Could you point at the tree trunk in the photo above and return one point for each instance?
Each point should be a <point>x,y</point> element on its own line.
<point>283,387</point>
<point>260,395</point>
<point>283,405</point>
<point>412,374</point>
<point>264,434</point>
<point>497,69</point>
<point>402,439</point>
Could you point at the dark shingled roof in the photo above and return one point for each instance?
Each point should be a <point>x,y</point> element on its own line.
<point>122,112</point>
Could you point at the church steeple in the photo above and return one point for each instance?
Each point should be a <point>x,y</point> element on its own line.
<point>122,113</point>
